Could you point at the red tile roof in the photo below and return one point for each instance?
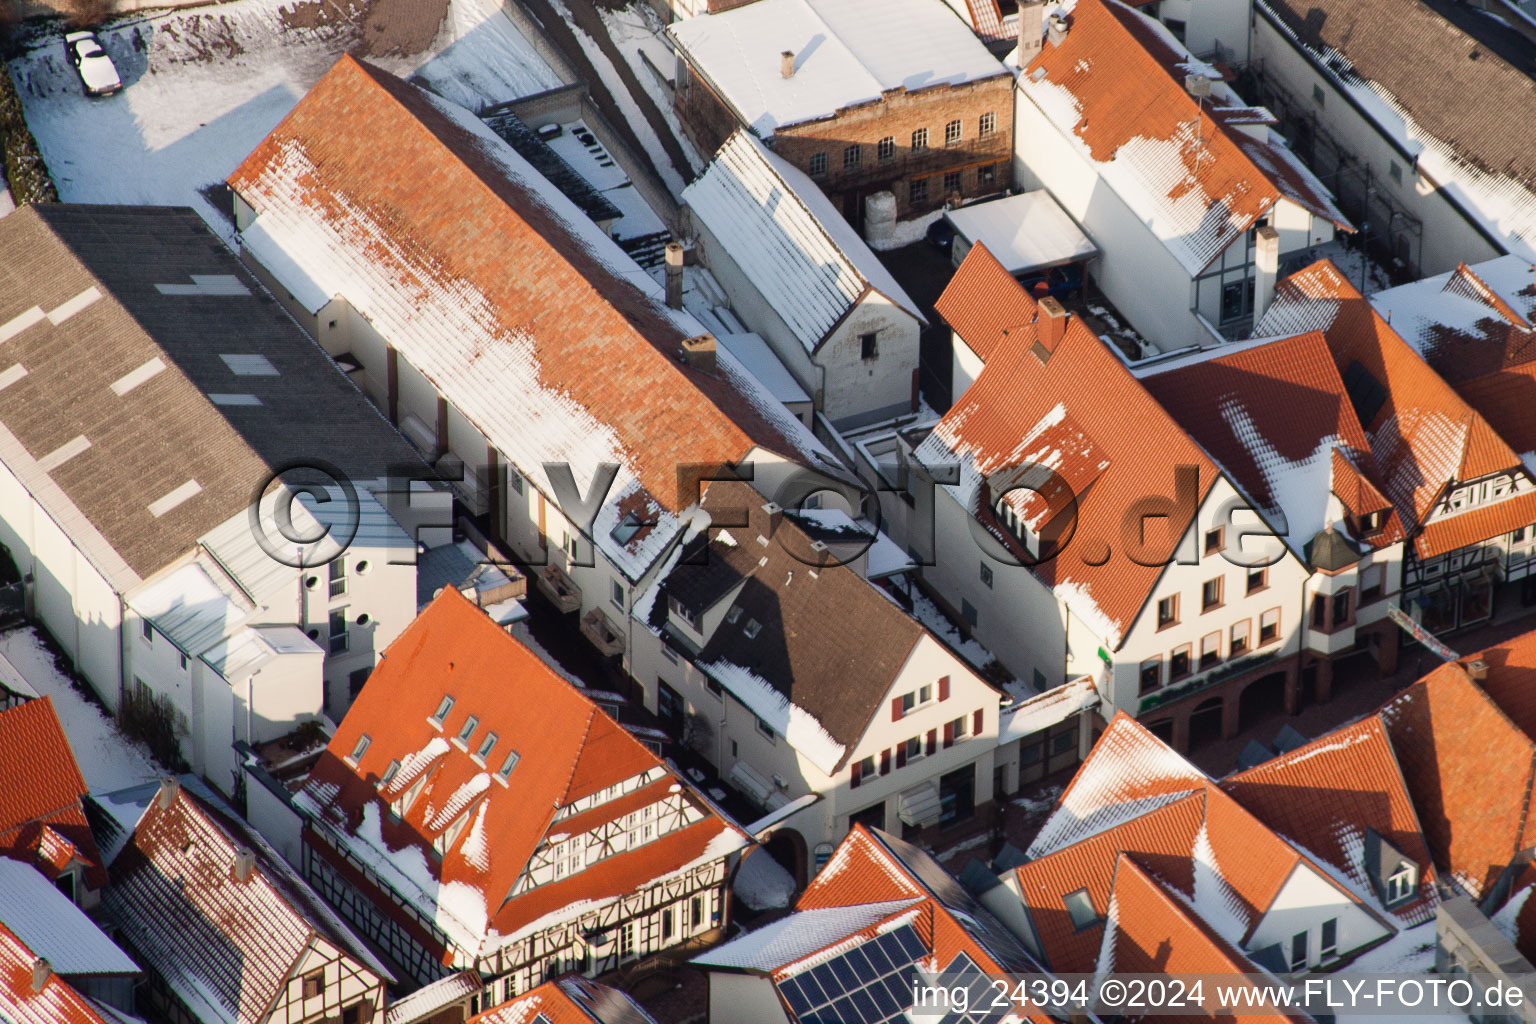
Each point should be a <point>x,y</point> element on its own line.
<point>1123,73</point>
<point>570,1000</point>
<point>568,751</point>
<point>55,1003</point>
<point>225,945</point>
<point>984,304</point>
<point>1507,400</point>
<point>40,793</point>
<point>453,220</point>
<point>1469,771</point>
<point>1155,933</point>
<point>1263,409</point>
<point>1121,439</point>
<point>1511,679</point>
<point>1325,794</point>
<point>1423,436</point>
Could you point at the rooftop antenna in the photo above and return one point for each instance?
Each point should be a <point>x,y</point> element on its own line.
<point>1199,87</point>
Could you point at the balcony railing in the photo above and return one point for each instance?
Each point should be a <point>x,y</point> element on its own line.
<point>600,630</point>
<point>561,590</point>
<point>1205,680</point>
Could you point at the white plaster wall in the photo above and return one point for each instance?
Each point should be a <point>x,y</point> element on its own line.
<point>744,999</point>
<point>1303,904</point>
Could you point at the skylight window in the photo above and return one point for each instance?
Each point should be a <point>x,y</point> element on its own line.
<point>390,773</point>
<point>128,381</point>
<point>733,615</point>
<point>249,365</point>
<point>628,527</point>
<point>486,745</point>
<point>752,628</point>
<point>161,506</point>
<point>507,766</point>
<point>227,398</point>
<point>1080,909</point>
<point>442,709</point>
<point>470,725</point>
<point>358,751</point>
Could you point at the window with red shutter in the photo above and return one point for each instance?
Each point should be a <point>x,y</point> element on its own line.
<point>977,720</point>
<point>885,762</point>
<point>933,740</point>
<point>858,771</point>
<point>895,709</point>
<point>944,688</point>
<point>949,734</point>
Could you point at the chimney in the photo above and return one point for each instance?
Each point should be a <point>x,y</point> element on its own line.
<point>775,514</point>
<point>1052,322</point>
<point>1198,86</point>
<point>41,971</point>
<point>787,63</point>
<point>674,275</point>
<point>169,787</point>
<point>699,352</point>
<point>1056,29</point>
<point>1031,29</point>
<point>1477,670</point>
<point>245,863</point>
<point>1266,265</point>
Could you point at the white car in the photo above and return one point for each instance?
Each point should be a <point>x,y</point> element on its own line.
<point>92,63</point>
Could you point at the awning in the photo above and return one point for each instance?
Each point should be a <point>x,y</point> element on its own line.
<point>919,806</point>
<point>744,778</point>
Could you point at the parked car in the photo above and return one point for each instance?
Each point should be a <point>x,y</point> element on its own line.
<point>1058,280</point>
<point>92,64</point>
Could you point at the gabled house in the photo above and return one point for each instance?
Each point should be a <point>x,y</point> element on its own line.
<point>1083,532</point>
<point>31,993</point>
<point>802,278</point>
<point>227,931</point>
<point>1343,799</point>
<point>475,811</point>
<point>1171,174</point>
<point>810,690</point>
<point>982,304</point>
<point>151,389</point>
<point>1476,327</point>
<point>1278,418</point>
<point>1374,95</point>
<point>1247,893</point>
<point>48,923</point>
<point>42,813</point>
<point>864,97</point>
<point>1468,768</point>
<point>881,915</point>
<point>511,340</point>
<point>1467,502</point>
<point>570,1000</point>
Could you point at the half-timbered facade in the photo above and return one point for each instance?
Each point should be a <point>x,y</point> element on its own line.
<point>226,930</point>
<point>601,854</point>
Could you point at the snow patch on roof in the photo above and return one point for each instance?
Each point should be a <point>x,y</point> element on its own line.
<point>803,732</point>
<point>1299,489</point>
<point>1213,899</point>
<point>799,935</point>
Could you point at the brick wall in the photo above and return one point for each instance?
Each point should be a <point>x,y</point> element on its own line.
<point>982,163</point>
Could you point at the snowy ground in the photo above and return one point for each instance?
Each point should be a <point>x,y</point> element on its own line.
<point>1351,263</point>
<point>762,884</point>
<point>203,86</point>
<point>107,759</point>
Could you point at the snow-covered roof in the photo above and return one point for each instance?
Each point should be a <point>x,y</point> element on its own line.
<point>52,926</point>
<point>1052,707</point>
<point>20,1003</point>
<point>782,942</point>
<point>1025,232</point>
<point>1114,89</point>
<point>192,610</point>
<point>249,650</point>
<point>786,236</point>
<point>846,52</point>
<point>1469,321</point>
<point>759,360</point>
<point>532,323</point>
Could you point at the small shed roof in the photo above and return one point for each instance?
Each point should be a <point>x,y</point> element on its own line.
<point>1025,232</point>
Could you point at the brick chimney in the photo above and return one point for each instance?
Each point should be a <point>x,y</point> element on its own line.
<point>245,863</point>
<point>787,63</point>
<point>1266,269</point>
<point>1052,323</point>
<point>674,275</point>
<point>42,970</point>
<point>699,352</point>
<point>1056,29</point>
<point>1477,670</point>
<point>169,787</point>
<point>1031,29</point>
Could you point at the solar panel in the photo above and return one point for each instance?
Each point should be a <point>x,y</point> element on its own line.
<point>962,971</point>
<point>869,984</point>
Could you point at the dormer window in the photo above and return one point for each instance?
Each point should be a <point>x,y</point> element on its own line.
<point>486,745</point>
<point>470,725</point>
<point>677,609</point>
<point>389,774</point>
<point>505,770</point>
<point>1372,522</point>
<point>358,751</point>
<point>445,706</point>
<point>1402,882</point>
